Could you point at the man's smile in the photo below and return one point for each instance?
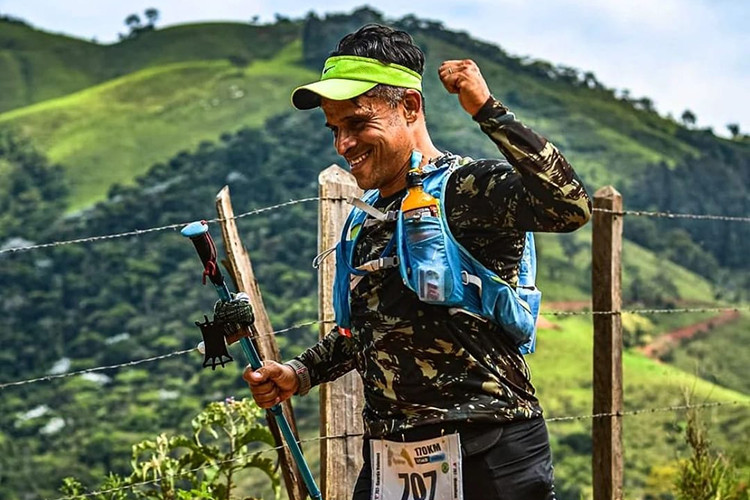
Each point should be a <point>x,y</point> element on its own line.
<point>357,160</point>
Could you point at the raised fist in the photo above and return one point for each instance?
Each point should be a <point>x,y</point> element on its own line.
<point>463,77</point>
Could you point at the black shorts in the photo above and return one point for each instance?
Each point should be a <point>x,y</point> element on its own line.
<point>505,462</point>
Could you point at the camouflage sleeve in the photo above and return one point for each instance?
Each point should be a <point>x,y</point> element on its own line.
<point>541,192</point>
<point>333,356</point>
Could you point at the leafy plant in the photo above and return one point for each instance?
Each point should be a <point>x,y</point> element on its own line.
<point>706,475</point>
<point>227,439</point>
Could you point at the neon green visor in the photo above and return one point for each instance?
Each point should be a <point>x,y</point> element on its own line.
<point>345,77</point>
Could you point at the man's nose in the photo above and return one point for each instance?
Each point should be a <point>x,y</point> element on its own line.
<point>344,142</point>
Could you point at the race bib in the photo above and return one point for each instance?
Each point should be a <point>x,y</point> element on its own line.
<point>422,470</point>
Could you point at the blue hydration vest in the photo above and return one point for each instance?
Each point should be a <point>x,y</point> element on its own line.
<point>438,268</point>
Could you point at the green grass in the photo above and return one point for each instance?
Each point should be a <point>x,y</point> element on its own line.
<point>720,355</point>
<point>562,372</point>
<point>38,66</point>
<point>113,132</point>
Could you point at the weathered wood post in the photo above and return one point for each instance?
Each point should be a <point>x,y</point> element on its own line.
<point>606,270</point>
<point>341,401</point>
<point>241,270</point>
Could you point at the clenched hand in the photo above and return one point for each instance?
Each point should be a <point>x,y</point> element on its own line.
<point>272,383</point>
<point>463,77</point>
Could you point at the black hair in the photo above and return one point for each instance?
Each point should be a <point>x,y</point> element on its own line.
<point>383,43</point>
<point>387,45</point>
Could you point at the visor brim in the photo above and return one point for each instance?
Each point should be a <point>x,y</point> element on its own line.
<point>337,89</point>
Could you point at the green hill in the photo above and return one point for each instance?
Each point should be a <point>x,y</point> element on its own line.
<point>150,115</point>
<point>37,66</point>
<point>106,113</point>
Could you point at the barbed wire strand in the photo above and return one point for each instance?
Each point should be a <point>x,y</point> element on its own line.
<point>138,361</point>
<point>671,215</point>
<point>666,409</point>
<point>96,369</point>
<point>645,311</point>
<point>139,232</point>
<point>311,323</point>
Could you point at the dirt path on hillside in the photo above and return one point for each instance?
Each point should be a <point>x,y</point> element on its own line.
<point>665,342</point>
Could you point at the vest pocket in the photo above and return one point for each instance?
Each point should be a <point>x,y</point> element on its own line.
<point>430,266</point>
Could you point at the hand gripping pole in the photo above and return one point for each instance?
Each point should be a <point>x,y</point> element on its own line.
<point>204,244</point>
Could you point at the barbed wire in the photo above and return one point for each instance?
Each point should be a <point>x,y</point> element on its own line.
<point>645,311</point>
<point>140,232</point>
<point>311,323</point>
<point>641,411</point>
<point>137,361</point>
<point>665,409</point>
<point>671,215</point>
<point>96,369</point>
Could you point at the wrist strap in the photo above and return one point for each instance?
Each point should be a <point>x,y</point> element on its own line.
<point>303,376</point>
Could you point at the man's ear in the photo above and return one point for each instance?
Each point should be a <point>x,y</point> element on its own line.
<point>412,103</point>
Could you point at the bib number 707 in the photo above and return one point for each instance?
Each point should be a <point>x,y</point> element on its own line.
<point>415,487</point>
<point>421,470</point>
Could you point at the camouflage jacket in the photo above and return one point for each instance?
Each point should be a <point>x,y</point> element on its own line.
<point>420,364</point>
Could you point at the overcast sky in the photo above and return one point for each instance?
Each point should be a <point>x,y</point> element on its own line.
<point>683,54</point>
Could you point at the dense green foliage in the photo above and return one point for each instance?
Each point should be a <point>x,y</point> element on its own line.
<point>77,306</point>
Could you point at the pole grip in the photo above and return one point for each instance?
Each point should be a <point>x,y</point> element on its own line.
<point>206,248</point>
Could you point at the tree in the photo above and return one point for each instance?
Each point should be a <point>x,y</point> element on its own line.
<point>688,118</point>
<point>152,15</point>
<point>734,129</point>
<point>133,21</point>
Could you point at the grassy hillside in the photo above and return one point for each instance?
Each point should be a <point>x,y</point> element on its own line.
<point>113,132</point>
<point>718,355</point>
<point>562,369</point>
<point>38,66</point>
<point>607,139</point>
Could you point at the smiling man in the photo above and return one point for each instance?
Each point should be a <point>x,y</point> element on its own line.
<point>450,383</point>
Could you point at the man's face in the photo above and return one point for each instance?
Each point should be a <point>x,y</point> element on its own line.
<point>374,138</point>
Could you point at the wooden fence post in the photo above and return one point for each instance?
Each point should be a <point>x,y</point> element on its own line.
<point>241,269</point>
<point>341,402</point>
<point>607,459</point>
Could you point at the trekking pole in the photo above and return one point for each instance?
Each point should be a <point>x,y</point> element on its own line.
<point>204,244</point>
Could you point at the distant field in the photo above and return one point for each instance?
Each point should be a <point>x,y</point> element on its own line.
<point>720,355</point>
<point>113,132</point>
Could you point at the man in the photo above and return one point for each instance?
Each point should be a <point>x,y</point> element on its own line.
<point>427,370</point>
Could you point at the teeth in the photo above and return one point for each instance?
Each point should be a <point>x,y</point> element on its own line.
<point>359,159</point>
